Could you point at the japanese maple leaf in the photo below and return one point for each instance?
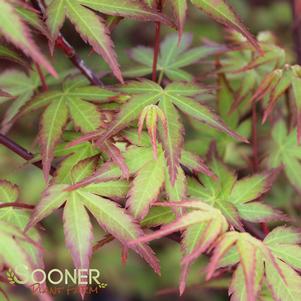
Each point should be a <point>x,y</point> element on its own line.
<point>175,97</point>
<point>91,26</point>
<point>77,225</point>
<point>172,59</point>
<point>150,174</point>
<point>201,226</point>
<point>237,199</point>
<point>74,101</point>
<point>273,261</point>
<point>284,150</point>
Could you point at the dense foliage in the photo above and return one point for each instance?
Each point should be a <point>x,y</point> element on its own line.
<point>190,144</point>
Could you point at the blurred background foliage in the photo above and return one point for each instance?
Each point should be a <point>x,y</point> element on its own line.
<point>136,281</point>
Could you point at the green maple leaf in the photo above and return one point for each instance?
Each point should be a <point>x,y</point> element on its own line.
<point>176,96</point>
<point>201,225</point>
<point>235,198</point>
<point>172,59</point>
<point>284,150</point>
<point>150,174</point>
<point>272,261</point>
<point>77,225</point>
<point>75,101</point>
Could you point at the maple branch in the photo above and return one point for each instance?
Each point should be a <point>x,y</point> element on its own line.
<point>108,238</point>
<point>77,61</point>
<point>17,205</point>
<point>157,43</point>
<point>21,151</point>
<point>70,52</point>
<point>296,11</point>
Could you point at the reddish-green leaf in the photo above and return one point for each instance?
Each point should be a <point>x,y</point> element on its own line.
<point>114,219</point>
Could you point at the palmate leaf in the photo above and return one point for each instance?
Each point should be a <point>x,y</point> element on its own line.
<point>259,263</point>
<point>91,27</point>
<point>15,31</point>
<point>284,150</point>
<point>77,225</point>
<point>202,226</point>
<point>235,198</point>
<point>174,55</point>
<point>149,177</point>
<point>178,95</point>
<point>74,101</point>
